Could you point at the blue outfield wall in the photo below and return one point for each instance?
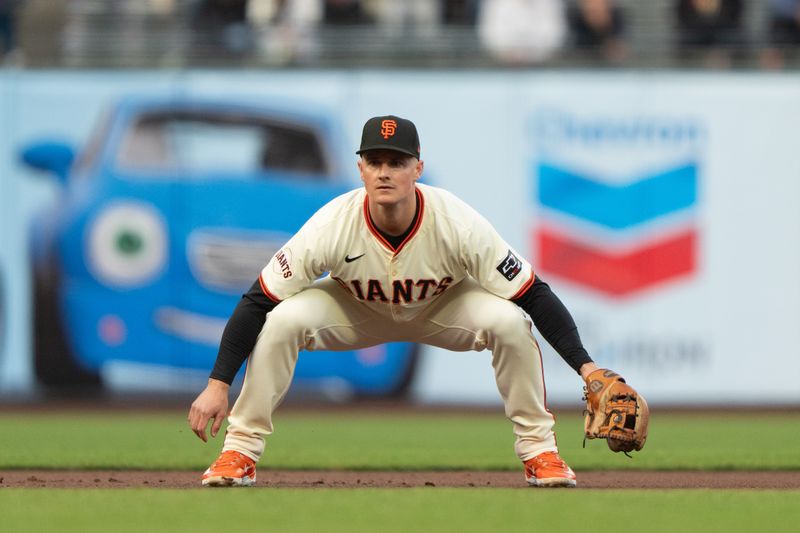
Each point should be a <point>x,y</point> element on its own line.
<point>613,163</point>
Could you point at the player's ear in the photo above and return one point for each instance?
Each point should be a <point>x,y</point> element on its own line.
<point>360,164</point>
<point>419,168</point>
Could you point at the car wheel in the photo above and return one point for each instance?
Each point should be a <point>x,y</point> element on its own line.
<point>403,386</point>
<point>54,363</point>
<point>401,389</point>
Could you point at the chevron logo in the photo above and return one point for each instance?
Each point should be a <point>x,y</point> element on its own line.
<point>618,213</point>
<point>617,206</point>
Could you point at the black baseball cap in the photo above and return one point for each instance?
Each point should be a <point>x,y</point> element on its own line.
<point>390,133</point>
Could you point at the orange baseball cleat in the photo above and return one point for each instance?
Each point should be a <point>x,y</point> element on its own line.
<point>548,469</point>
<point>231,469</point>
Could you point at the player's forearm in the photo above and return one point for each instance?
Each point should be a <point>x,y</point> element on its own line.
<point>555,323</point>
<point>240,334</point>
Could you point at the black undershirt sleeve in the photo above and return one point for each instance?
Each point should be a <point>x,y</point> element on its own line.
<point>554,322</point>
<point>241,332</point>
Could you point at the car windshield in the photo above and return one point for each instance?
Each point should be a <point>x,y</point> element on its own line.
<point>234,144</point>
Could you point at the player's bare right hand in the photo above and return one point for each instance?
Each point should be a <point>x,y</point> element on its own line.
<point>212,403</point>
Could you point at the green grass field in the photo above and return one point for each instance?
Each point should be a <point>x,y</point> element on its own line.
<point>348,439</point>
<point>389,510</point>
<point>352,440</point>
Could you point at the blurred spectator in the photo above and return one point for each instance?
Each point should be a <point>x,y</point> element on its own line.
<point>163,8</point>
<point>710,28</point>
<point>459,12</point>
<point>597,28</point>
<point>285,30</point>
<point>221,26</point>
<point>522,32</point>
<point>345,13</point>
<point>418,17</point>
<point>41,32</point>
<point>784,33</point>
<point>8,28</point>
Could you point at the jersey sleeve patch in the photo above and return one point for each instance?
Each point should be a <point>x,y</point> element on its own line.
<point>282,265</point>
<point>510,267</point>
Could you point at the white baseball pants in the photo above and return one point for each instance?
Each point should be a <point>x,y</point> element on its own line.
<point>326,317</point>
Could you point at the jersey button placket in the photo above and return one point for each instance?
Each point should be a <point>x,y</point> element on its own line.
<point>392,276</point>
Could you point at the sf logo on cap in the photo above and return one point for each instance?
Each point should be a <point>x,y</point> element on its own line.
<point>388,128</point>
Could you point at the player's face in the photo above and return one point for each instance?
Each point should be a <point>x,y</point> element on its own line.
<point>389,176</point>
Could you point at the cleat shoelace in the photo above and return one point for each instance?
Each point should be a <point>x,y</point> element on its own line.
<point>228,459</point>
<point>547,462</point>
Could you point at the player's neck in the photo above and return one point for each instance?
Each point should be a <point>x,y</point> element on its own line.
<point>394,218</point>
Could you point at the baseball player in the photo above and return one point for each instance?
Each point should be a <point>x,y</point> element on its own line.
<point>407,262</point>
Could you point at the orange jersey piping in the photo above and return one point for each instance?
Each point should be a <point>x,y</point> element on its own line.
<point>378,235</point>
<point>525,287</point>
<point>266,290</point>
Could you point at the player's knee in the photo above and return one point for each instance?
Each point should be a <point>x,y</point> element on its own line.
<point>284,321</point>
<point>507,322</point>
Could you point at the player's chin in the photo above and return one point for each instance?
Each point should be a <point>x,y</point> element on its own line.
<point>385,196</point>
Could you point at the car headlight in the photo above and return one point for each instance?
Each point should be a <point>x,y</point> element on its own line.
<point>127,244</point>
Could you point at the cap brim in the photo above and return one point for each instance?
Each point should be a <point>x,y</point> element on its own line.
<point>384,147</point>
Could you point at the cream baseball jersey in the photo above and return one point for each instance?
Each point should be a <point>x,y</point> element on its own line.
<point>449,241</point>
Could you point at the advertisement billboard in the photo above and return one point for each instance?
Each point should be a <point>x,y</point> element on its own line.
<point>660,208</point>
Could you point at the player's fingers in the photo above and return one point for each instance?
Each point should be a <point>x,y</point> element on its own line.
<point>198,422</point>
<point>192,417</point>
<point>200,430</point>
<point>200,427</point>
<point>217,424</point>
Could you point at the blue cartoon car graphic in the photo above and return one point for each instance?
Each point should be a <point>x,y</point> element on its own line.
<point>2,317</point>
<point>163,220</point>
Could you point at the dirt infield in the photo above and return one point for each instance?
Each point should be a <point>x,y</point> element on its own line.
<point>353,479</point>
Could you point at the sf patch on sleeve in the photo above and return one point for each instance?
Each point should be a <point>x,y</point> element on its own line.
<point>510,266</point>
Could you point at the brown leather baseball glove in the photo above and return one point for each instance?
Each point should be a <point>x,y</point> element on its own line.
<point>615,412</point>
